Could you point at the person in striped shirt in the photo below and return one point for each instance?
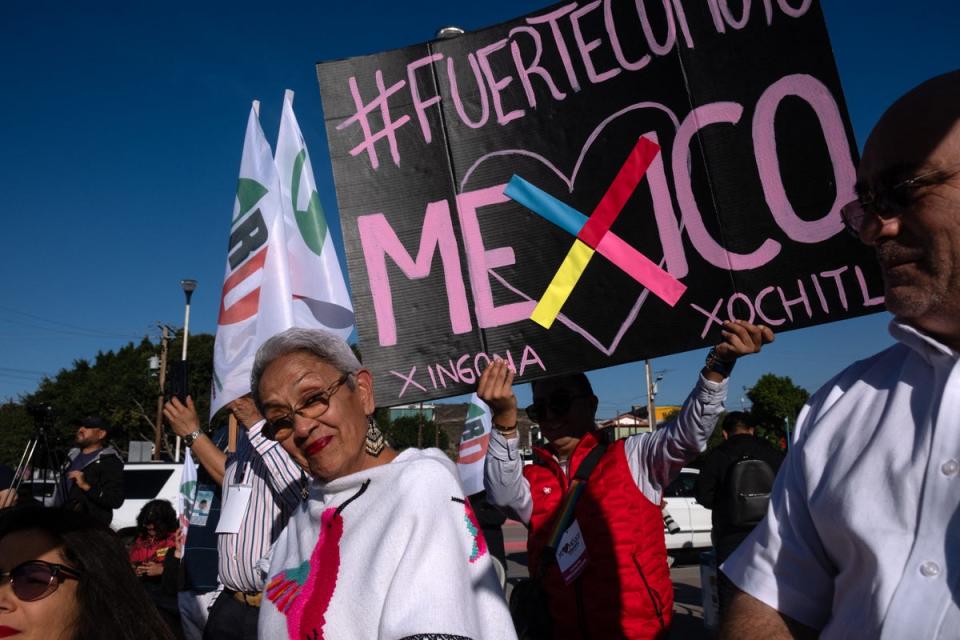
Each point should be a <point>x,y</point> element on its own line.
<point>262,485</point>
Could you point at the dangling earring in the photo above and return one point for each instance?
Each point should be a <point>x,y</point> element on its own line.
<point>375,441</point>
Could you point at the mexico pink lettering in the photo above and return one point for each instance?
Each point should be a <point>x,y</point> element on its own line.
<point>379,241</point>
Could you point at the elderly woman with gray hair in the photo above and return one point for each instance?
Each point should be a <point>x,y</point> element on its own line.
<point>386,546</point>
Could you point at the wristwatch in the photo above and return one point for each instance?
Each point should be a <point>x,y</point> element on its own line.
<point>190,438</point>
<point>715,364</point>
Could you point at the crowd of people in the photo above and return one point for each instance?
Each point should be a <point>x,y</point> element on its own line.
<point>315,527</point>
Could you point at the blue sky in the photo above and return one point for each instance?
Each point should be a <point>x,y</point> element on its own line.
<point>121,130</point>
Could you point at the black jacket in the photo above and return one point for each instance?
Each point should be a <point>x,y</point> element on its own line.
<point>709,489</point>
<point>104,474</point>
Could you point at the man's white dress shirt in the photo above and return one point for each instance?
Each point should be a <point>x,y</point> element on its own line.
<point>862,537</point>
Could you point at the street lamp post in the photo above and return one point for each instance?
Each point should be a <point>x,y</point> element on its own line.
<point>449,32</point>
<point>188,287</point>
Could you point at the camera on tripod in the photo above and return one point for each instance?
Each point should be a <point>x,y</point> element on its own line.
<point>39,452</point>
<point>42,414</point>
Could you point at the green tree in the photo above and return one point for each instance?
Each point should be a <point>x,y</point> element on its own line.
<point>117,385</point>
<point>776,401</point>
<point>16,427</point>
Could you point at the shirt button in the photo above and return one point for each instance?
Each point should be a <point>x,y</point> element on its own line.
<point>950,468</point>
<point>930,569</point>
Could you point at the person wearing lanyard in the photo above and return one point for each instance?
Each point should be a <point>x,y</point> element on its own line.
<point>262,485</point>
<point>595,544</point>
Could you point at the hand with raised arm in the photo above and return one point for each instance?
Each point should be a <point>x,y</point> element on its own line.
<point>739,338</point>
<point>245,411</point>
<point>496,389</point>
<point>183,419</point>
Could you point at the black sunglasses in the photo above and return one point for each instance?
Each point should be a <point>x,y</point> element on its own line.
<point>559,403</point>
<point>37,579</point>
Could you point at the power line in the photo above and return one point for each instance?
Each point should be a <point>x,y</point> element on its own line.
<point>12,371</point>
<point>19,377</point>
<point>64,332</point>
<point>86,331</point>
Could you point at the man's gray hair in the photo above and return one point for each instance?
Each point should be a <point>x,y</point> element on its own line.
<point>326,346</point>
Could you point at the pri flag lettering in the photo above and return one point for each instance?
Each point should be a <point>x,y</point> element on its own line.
<point>473,445</point>
<point>256,301</point>
<point>319,291</point>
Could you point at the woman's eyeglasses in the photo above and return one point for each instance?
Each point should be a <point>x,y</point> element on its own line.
<point>280,427</point>
<point>559,403</point>
<point>36,579</point>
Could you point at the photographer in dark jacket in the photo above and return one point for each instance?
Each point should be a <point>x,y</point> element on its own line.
<point>740,443</point>
<point>92,481</point>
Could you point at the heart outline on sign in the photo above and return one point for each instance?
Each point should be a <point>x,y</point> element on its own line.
<point>569,182</point>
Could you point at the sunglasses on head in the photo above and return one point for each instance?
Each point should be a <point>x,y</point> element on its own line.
<point>558,402</point>
<point>37,579</point>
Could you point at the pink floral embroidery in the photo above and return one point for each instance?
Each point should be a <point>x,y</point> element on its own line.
<point>303,593</point>
<point>473,526</point>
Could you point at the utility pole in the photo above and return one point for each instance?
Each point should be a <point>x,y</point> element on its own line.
<point>158,426</point>
<point>420,428</point>
<point>651,409</point>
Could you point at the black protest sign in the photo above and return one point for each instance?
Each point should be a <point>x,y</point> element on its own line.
<point>671,164</point>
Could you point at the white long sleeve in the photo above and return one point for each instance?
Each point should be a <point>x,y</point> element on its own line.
<point>655,458</point>
<point>503,478</point>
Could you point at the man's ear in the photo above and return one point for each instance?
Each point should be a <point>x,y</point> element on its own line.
<point>365,390</point>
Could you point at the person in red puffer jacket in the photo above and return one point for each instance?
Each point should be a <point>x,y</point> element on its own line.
<point>606,574</point>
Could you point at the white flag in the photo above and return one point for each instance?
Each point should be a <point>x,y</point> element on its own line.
<point>188,491</point>
<point>316,280</point>
<point>256,301</point>
<point>473,445</point>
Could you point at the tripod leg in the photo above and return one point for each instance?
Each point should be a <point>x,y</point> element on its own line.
<point>55,464</point>
<point>25,461</point>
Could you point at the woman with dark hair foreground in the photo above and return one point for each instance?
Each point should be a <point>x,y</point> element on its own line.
<point>386,545</point>
<point>64,576</point>
<point>155,556</point>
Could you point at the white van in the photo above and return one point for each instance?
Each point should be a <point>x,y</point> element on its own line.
<point>143,482</point>
<point>693,518</point>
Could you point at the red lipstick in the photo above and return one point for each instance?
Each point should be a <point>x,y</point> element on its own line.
<point>318,445</point>
<point>6,632</point>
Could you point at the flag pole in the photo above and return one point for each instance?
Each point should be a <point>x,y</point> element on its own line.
<point>232,434</point>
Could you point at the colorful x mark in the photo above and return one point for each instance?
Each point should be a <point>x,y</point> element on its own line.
<point>593,234</point>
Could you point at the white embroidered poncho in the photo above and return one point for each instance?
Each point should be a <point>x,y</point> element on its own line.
<point>392,552</point>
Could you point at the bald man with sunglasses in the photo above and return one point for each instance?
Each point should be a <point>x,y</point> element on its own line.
<point>595,540</point>
<point>862,538</point>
